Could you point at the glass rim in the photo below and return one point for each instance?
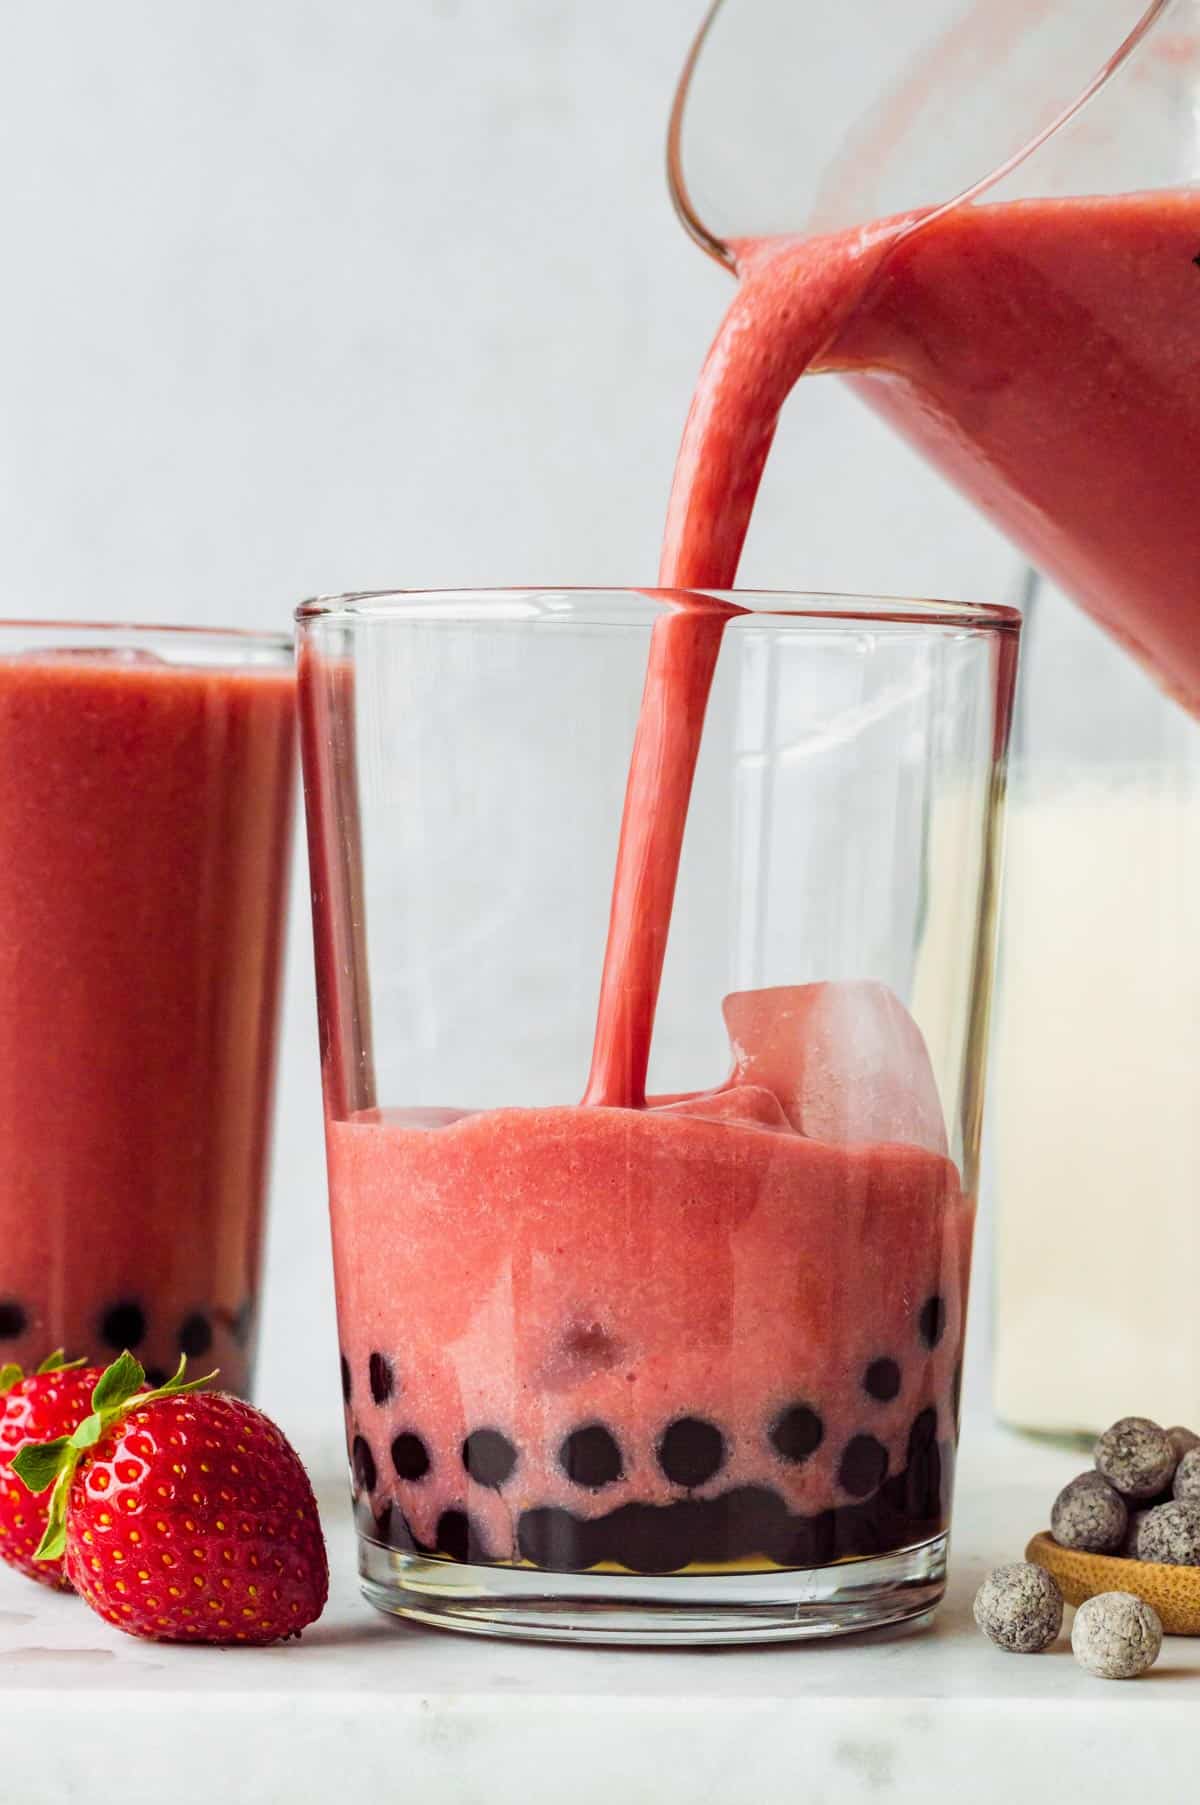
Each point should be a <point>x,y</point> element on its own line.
<point>780,608</point>
<point>260,639</point>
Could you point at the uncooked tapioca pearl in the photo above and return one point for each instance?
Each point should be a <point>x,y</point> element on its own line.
<point>1136,1457</point>
<point>1182,1440</point>
<point>1129,1547</point>
<point>1088,1514</point>
<point>1019,1608</point>
<point>1187,1476</point>
<point>1116,1636</point>
<point>1171,1534</point>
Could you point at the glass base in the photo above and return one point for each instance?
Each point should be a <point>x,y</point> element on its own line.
<point>678,1610</point>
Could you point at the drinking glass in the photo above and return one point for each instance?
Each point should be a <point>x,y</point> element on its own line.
<point>685,1373</point>
<point>145,826</point>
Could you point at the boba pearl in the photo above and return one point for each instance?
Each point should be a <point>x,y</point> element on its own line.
<point>1182,1440</point>
<point>1171,1534</point>
<point>1129,1548</point>
<point>1019,1607</point>
<point>1187,1477</point>
<point>1088,1514</point>
<point>1116,1636</point>
<point>1136,1457</point>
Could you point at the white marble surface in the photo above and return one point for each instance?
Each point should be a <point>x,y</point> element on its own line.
<point>367,1704</point>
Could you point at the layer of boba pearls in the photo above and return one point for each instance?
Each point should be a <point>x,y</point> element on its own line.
<point>154,1329</point>
<point>539,1479</point>
<point>1116,1636</point>
<point>1019,1608</point>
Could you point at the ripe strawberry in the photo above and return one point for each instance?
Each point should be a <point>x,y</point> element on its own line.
<point>49,1403</point>
<point>184,1518</point>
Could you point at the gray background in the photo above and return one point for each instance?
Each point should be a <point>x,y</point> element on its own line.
<point>310,296</point>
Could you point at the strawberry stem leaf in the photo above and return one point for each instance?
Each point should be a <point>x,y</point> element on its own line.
<point>89,1431</point>
<point>10,1375</point>
<point>57,1362</point>
<point>37,1466</point>
<point>117,1384</point>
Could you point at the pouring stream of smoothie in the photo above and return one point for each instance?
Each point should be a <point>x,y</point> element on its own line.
<point>1043,355</point>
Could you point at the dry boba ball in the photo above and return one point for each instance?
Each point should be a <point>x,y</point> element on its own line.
<point>1129,1545</point>
<point>1088,1514</point>
<point>1187,1477</point>
<point>1182,1440</point>
<point>1020,1608</point>
<point>1116,1636</point>
<point>1136,1457</point>
<point>1171,1534</point>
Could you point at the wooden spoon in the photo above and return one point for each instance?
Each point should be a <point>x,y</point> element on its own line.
<point>1174,1592</point>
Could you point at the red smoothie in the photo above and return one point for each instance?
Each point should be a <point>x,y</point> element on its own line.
<point>727,1330</point>
<point>144,834</point>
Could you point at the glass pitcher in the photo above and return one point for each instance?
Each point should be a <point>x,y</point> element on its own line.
<point>1029,317</point>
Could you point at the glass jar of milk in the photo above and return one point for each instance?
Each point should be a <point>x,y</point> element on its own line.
<point>1095,1123</point>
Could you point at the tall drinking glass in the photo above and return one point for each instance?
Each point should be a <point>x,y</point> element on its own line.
<point>688,1372</point>
<point>145,821</point>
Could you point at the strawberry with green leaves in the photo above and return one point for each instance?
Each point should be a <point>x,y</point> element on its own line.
<point>181,1516</point>
<point>48,1404</point>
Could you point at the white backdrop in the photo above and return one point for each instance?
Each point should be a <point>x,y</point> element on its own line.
<point>300,295</point>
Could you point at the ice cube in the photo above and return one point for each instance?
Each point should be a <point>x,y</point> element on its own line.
<point>845,1059</point>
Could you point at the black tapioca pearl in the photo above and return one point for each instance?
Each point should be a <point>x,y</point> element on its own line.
<point>398,1534</point>
<point>458,1536</point>
<point>691,1451</point>
<point>645,1538</point>
<point>881,1380</point>
<point>410,1456</point>
<point>156,1376</point>
<point>124,1325</point>
<point>591,1457</point>
<point>755,1523</point>
<point>195,1335</point>
<point>923,1432</point>
<point>13,1319</point>
<point>863,1465</point>
<point>557,1539</point>
<point>382,1377</point>
<point>807,1541</point>
<point>362,1462</point>
<point>932,1320</point>
<point>489,1457</point>
<point>923,1477</point>
<point>797,1433</point>
<point>345,1379</point>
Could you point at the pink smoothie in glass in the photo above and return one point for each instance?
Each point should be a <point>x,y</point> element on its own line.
<point>728,1329</point>
<point>144,832</point>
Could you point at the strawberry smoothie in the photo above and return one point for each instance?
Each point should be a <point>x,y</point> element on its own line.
<point>144,834</point>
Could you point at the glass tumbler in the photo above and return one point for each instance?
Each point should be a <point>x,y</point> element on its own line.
<point>145,825</point>
<point>688,1371</point>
